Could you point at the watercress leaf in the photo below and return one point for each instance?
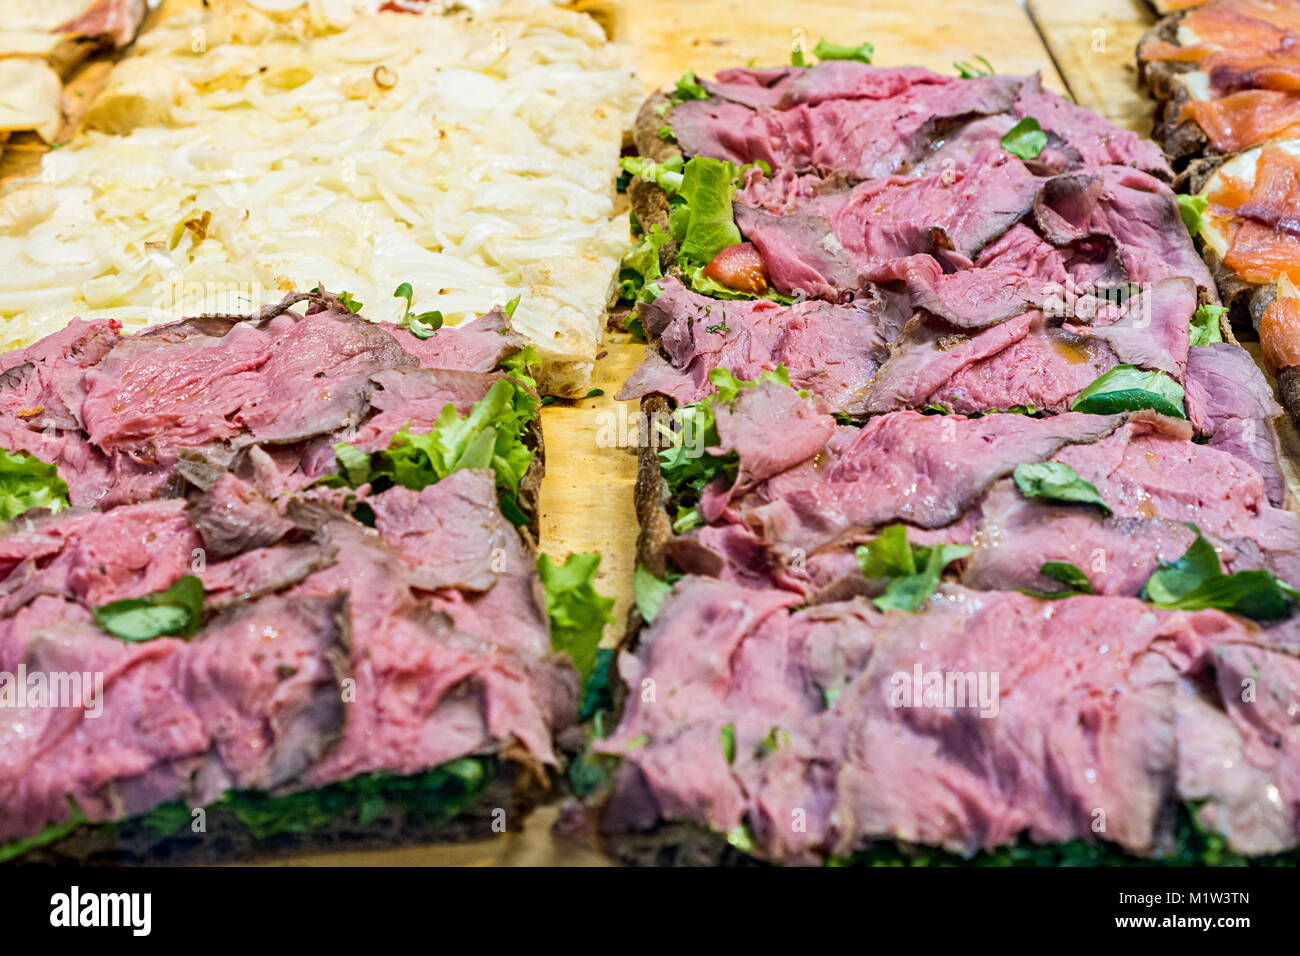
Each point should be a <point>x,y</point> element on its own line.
<point>1026,139</point>
<point>1057,482</point>
<point>1126,388</point>
<point>177,610</point>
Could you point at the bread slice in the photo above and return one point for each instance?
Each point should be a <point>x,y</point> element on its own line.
<point>413,811</point>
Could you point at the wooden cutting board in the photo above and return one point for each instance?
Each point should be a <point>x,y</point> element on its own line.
<point>587,494</point>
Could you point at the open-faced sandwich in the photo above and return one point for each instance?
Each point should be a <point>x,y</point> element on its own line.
<point>285,563</point>
<point>961,523</point>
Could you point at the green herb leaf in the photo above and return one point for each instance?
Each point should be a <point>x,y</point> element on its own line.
<point>26,482</point>
<point>1196,581</point>
<point>861,53</point>
<point>666,134</point>
<point>511,306</point>
<point>1192,209</point>
<point>178,610</point>
<point>968,71</point>
<point>1057,482</point>
<point>915,569</point>
<point>578,613</point>
<point>729,743</point>
<point>1067,574</point>
<point>1126,388</point>
<point>422,326</point>
<point>1026,139</point>
<point>1205,328</point>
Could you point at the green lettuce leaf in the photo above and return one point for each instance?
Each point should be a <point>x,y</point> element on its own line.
<point>666,175</point>
<point>685,466</point>
<point>176,611</point>
<point>26,482</point>
<point>1192,209</point>
<point>1205,328</point>
<point>490,436</point>
<point>649,592</point>
<point>641,268</point>
<point>703,222</point>
<point>1126,388</point>
<point>1026,139</point>
<point>1056,482</point>
<point>689,88</point>
<point>578,613</point>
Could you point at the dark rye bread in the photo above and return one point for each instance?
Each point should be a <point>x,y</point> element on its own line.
<point>1184,141</point>
<point>649,202</point>
<point>513,789</point>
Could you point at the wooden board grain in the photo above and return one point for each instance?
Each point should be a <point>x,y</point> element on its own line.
<point>1093,43</point>
<point>668,37</point>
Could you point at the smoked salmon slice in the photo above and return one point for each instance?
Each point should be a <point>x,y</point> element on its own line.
<point>1241,120</point>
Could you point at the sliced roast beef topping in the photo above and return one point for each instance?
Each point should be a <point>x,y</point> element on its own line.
<point>42,384</point>
<point>771,428</point>
<point>179,720</point>
<point>89,474</point>
<point>1097,141</point>
<point>1086,717</point>
<point>475,346</point>
<point>789,530</point>
<point>318,377</point>
<point>860,138</point>
<point>962,210</point>
<point>415,398</point>
<point>830,240</point>
<point>1152,332</point>
<point>1229,400</point>
<point>1136,211</point>
<point>232,517</point>
<point>451,533</point>
<point>802,255</point>
<point>828,349</point>
<point>98,557</point>
<point>751,86</point>
<point>1027,359</point>
<point>1116,553</point>
<point>925,470</point>
<point>784,87</point>
<point>266,570</point>
<point>150,399</point>
<point>848,80</point>
<point>272,706</point>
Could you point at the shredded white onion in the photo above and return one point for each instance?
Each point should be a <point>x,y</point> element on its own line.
<point>235,157</point>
